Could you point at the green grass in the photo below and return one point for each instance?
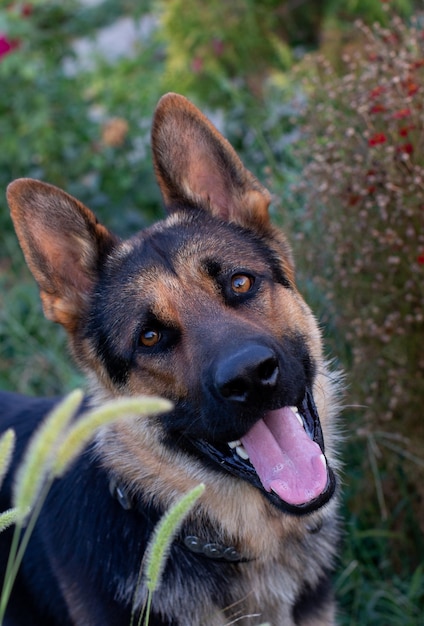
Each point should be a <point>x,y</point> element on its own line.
<point>380,576</point>
<point>369,591</point>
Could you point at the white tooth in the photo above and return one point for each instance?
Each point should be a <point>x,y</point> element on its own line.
<point>242,453</point>
<point>296,412</point>
<point>300,420</point>
<point>323,460</point>
<point>234,444</point>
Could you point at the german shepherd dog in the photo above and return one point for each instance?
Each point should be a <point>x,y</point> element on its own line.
<point>202,309</point>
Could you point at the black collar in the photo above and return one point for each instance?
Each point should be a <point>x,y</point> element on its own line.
<point>201,547</point>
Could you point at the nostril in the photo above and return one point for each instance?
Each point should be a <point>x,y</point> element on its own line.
<point>236,389</point>
<point>268,371</point>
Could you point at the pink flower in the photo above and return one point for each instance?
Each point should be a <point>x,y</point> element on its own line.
<point>377,108</point>
<point>404,130</point>
<point>197,65</point>
<point>412,88</point>
<point>377,91</point>
<point>406,148</point>
<point>376,139</point>
<point>218,46</point>
<point>6,45</point>
<point>399,115</point>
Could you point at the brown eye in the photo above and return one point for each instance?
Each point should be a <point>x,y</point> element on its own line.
<point>240,283</point>
<point>150,338</point>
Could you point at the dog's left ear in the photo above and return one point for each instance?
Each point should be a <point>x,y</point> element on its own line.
<point>196,167</point>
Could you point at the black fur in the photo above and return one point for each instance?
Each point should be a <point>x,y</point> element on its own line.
<point>313,599</point>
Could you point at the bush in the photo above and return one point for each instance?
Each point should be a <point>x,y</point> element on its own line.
<point>75,123</point>
<point>213,48</point>
<point>365,188</point>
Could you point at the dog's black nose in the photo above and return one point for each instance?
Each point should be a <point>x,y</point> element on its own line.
<point>246,374</point>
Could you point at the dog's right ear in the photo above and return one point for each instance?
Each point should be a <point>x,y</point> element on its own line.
<point>63,246</point>
<point>196,166</point>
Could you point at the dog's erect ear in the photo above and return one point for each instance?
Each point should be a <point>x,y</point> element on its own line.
<point>63,245</point>
<point>196,166</point>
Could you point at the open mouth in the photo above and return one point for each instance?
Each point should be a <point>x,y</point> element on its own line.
<point>283,456</point>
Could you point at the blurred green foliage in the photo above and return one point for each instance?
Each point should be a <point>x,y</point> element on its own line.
<point>212,47</point>
<point>54,109</point>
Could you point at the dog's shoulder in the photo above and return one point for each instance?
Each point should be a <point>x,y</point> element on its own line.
<point>17,410</point>
<point>22,414</point>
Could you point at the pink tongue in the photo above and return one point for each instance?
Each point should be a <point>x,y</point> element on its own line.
<point>286,460</point>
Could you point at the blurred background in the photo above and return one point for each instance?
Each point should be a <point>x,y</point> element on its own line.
<point>324,102</point>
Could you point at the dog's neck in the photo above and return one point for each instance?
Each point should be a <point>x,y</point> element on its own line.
<point>201,547</point>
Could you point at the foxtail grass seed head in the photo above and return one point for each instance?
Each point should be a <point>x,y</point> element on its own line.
<point>8,518</point>
<point>7,445</point>
<point>83,431</point>
<point>36,466</point>
<point>163,535</point>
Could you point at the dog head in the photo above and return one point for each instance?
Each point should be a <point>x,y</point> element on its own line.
<point>201,308</point>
